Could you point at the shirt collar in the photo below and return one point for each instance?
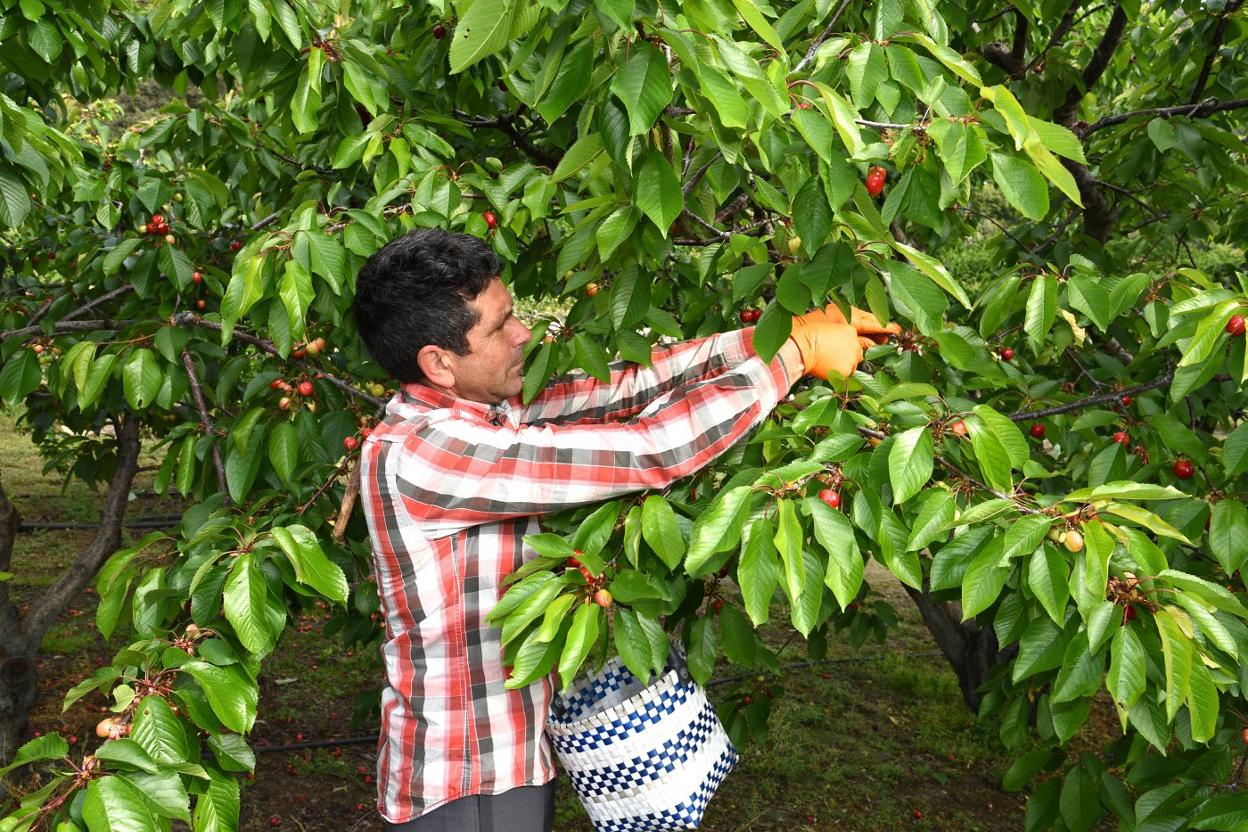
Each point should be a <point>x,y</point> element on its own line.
<point>421,395</point>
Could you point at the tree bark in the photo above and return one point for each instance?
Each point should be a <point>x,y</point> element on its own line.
<point>18,679</point>
<point>21,634</point>
<point>971,650</point>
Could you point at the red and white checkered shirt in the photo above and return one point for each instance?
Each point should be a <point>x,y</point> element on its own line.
<point>450,487</point>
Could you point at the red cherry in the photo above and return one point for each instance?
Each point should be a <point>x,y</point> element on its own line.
<point>875,180</point>
<point>275,821</point>
<point>747,699</point>
<point>717,604</point>
<point>156,219</point>
<point>200,303</point>
<point>803,105</point>
<point>276,384</point>
<point>832,498</point>
<point>439,31</point>
<point>350,443</point>
<point>1235,326</point>
<point>490,220</point>
<point>1126,401</point>
<point>918,815</point>
<point>1037,430</point>
<point>365,433</point>
<point>306,388</point>
<point>235,245</point>
<point>1184,469</point>
<point>299,353</point>
<point>196,277</point>
<point>1128,613</point>
<point>959,428</point>
<point>1007,353</point>
<point>1122,438</point>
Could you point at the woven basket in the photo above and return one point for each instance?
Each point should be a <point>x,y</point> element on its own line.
<point>642,758</point>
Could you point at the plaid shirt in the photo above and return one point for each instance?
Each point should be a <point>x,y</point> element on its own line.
<point>450,487</point>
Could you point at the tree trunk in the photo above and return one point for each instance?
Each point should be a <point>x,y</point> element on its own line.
<point>972,650</point>
<point>21,634</point>
<point>18,679</point>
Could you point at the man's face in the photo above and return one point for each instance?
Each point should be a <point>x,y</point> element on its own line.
<point>490,372</point>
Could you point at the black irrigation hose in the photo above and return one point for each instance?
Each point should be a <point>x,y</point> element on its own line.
<point>137,523</point>
<point>363,738</point>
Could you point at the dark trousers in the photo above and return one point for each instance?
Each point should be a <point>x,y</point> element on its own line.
<point>525,809</point>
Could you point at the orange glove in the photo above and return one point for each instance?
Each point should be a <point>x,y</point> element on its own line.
<point>861,320</point>
<point>828,347</point>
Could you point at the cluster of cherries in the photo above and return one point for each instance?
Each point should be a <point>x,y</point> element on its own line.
<point>156,227</point>
<point>602,596</point>
<point>303,388</point>
<point>749,316</point>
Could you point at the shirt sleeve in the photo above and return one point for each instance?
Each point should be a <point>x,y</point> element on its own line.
<point>578,397</point>
<point>456,473</point>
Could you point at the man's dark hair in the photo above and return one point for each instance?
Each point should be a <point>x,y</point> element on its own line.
<point>415,292</point>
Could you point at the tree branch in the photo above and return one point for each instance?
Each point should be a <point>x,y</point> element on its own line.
<point>506,123</point>
<point>191,319</point>
<point>824,35</point>
<point>61,327</point>
<point>1214,43</point>
<point>1065,114</point>
<point>1063,26</point>
<point>1012,60</point>
<point>1092,401</point>
<point>1205,108</point>
<point>206,421</point>
<point>54,600</point>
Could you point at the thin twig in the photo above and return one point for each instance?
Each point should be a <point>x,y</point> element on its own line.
<point>206,421</point>
<point>72,326</point>
<point>824,35</point>
<point>104,298</point>
<point>1207,107</point>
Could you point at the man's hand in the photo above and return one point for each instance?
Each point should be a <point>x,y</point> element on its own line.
<point>861,320</point>
<point>828,347</point>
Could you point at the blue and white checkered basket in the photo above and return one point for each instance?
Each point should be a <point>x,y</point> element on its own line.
<point>642,758</point>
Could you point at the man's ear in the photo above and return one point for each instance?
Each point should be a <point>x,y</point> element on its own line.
<point>436,366</point>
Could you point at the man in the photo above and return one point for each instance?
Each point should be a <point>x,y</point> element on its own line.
<point>460,470</point>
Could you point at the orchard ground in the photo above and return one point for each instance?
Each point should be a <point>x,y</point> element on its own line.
<point>873,739</point>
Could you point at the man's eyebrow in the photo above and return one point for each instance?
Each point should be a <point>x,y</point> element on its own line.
<point>504,320</point>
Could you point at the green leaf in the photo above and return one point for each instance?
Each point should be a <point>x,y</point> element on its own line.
<point>1079,805</point>
<point>643,85</point>
<point>772,330</point>
<point>835,534</point>
<point>14,202</point>
<point>141,378</point>
<point>910,463</point>
<point>1048,577</point>
<point>1022,185</point>
<point>632,645</point>
<point>1025,535</point>
<point>1235,451</point>
<point>595,530</point>
<point>658,193</point>
<point>701,654</point>
<point>312,567</point>
<point>1202,703</point>
<point>160,733</point>
<point>865,68</point>
<point>717,528</point>
<point>1080,674</point>
<point>748,10</point>
<point>1126,679</point>
<point>982,583</point>
<point>1228,534</point>
<point>128,753</point>
<point>484,30</point>
<point>47,747</point>
<point>1124,490</point>
<point>1041,311</point>
<point>216,810</point>
<point>113,805</point>
<point>581,637</point>
<point>758,571</point>
<point>1222,813</point>
<point>935,512</point>
<point>581,153</point>
<point>245,600</point>
<point>232,695</point>
<point>812,215</point>
<point>790,541</point>
<point>1210,332</point>
<point>284,450</point>
<point>817,131</point>
<point>661,530</point>
<point>21,375</point>
<point>1177,650</point>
